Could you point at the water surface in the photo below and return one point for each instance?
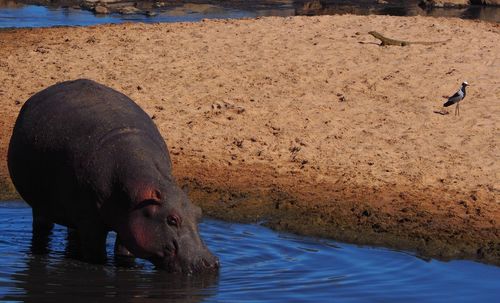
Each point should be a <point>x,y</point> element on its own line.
<point>41,16</point>
<point>257,265</point>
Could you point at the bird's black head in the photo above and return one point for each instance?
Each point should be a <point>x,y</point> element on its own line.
<point>465,83</point>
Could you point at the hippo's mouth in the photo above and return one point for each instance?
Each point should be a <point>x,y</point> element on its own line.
<point>173,266</point>
<point>168,258</point>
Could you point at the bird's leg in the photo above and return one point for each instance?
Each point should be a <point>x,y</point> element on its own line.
<point>456,109</point>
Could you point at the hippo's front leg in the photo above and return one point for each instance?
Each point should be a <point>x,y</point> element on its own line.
<point>92,235</point>
<point>121,250</point>
<point>42,228</point>
<point>123,257</point>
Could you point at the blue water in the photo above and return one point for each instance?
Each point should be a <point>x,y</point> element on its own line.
<point>40,16</point>
<point>257,265</point>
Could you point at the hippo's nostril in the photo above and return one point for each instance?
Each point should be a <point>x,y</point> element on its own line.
<point>213,263</point>
<point>172,250</point>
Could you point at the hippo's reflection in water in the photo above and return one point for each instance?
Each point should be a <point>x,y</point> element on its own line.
<point>45,278</point>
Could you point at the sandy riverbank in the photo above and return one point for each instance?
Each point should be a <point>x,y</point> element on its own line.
<point>304,122</point>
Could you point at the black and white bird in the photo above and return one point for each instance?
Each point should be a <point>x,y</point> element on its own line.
<point>457,97</point>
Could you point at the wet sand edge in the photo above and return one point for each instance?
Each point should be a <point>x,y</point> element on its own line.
<point>274,203</point>
<point>352,214</point>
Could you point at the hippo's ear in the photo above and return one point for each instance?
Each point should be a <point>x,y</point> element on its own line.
<point>186,189</point>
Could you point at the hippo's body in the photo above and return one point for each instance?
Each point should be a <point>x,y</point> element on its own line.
<point>86,156</point>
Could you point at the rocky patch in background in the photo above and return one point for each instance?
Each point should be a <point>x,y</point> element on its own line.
<point>457,3</point>
<point>104,6</point>
<point>301,7</point>
<point>143,7</point>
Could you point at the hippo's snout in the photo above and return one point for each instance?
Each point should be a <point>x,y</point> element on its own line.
<point>184,257</point>
<point>211,263</point>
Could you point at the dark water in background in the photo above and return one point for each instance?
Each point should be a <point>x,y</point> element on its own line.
<point>14,14</point>
<point>257,265</point>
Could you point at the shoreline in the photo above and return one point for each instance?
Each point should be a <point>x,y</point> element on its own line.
<point>303,122</point>
<point>145,11</point>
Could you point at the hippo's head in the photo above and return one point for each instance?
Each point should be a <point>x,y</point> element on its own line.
<point>160,225</point>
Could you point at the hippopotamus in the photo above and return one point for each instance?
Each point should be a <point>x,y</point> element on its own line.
<point>86,156</point>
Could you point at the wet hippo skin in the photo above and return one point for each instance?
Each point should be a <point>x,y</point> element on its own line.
<point>86,156</point>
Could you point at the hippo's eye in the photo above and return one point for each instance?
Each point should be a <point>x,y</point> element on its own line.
<point>173,220</point>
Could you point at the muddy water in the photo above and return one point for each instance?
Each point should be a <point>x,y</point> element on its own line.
<point>63,12</point>
<point>258,265</point>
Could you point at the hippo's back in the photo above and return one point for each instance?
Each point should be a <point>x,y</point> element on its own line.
<point>58,128</point>
<point>77,110</point>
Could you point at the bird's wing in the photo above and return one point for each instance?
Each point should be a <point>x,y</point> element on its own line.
<point>449,102</point>
<point>457,94</point>
<point>454,99</point>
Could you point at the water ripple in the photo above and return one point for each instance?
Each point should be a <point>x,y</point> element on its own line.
<point>258,265</point>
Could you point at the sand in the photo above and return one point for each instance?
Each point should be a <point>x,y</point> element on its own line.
<point>304,123</point>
